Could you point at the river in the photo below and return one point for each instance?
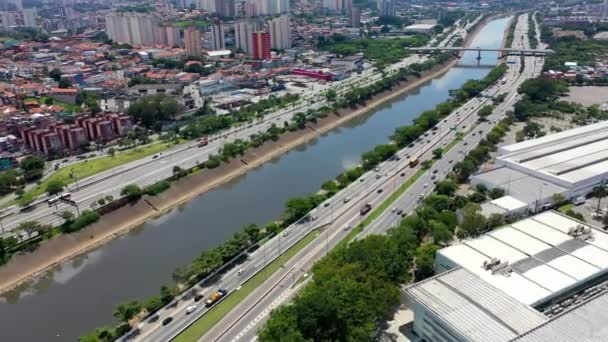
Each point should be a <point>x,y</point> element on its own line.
<point>81,294</point>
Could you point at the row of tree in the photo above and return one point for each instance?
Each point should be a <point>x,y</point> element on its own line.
<point>356,286</point>
<point>295,209</point>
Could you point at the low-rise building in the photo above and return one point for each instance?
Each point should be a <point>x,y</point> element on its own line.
<point>540,279</point>
<point>570,163</point>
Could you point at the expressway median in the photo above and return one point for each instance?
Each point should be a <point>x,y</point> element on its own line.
<point>213,316</point>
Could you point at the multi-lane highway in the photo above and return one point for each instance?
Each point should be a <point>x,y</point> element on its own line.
<point>149,170</point>
<point>347,201</point>
<point>152,169</point>
<point>244,321</point>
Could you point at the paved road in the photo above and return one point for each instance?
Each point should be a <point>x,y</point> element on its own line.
<point>152,169</point>
<point>244,321</point>
<point>348,199</point>
<point>408,201</point>
<point>346,203</point>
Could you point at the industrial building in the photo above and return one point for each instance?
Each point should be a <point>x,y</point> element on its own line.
<point>570,163</point>
<point>543,278</point>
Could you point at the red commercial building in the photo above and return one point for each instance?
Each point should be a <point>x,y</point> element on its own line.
<point>261,45</point>
<point>318,74</point>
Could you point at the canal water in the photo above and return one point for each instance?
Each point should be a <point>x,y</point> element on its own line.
<point>81,294</point>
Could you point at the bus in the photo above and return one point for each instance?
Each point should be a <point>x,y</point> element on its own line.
<point>413,161</point>
<point>53,200</point>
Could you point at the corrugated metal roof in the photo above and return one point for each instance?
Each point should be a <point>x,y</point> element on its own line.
<point>473,307</point>
<point>543,257</point>
<point>585,130</point>
<point>584,323</point>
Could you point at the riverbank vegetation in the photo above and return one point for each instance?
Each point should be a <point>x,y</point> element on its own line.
<point>225,256</point>
<point>356,287</point>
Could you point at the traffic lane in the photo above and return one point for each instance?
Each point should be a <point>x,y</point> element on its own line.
<point>374,200</point>
<point>269,250</point>
<point>257,314</point>
<point>457,153</point>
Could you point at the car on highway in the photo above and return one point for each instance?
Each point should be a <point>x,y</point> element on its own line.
<point>393,210</point>
<point>435,171</point>
<point>362,179</point>
<point>198,297</point>
<point>155,156</point>
<point>190,309</point>
<point>400,211</point>
<point>285,232</point>
<point>326,204</point>
<point>450,161</point>
<point>426,185</point>
<point>346,227</point>
<point>402,174</point>
<point>379,191</point>
<point>167,320</point>
<point>346,199</point>
<point>433,177</point>
<point>378,176</point>
<point>377,169</point>
<point>240,271</point>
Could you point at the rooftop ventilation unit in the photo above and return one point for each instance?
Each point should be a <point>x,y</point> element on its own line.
<point>581,232</point>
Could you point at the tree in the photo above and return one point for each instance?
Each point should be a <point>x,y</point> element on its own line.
<point>282,327</point>
<point>446,187</point>
<point>296,208</point>
<point>331,95</point>
<point>177,171</point>
<point>557,199</point>
<point>482,188</point>
<point>132,191</point>
<point>495,220</point>
<point>68,218</point>
<point>473,223</point>
<point>437,153</point>
<point>32,162</point>
<point>151,110</point>
<point>485,111</point>
<point>55,74</point>
<point>9,179</point>
<point>49,101</point>
<point>496,193</point>
<point>54,186</point>
<point>125,311</point>
<point>425,260</point>
<point>65,83</point>
<point>30,227</point>
<point>111,151</point>
<point>600,192</point>
<point>426,164</point>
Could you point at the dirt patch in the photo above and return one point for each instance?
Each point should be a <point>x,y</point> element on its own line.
<point>588,95</point>
<point>569,33</point>
<point>28,266</point>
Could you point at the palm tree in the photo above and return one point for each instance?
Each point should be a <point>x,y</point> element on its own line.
<point>600,192</point>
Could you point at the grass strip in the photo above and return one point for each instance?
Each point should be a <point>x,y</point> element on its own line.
<point>91,167</point>
<point>213,316</point>
<point>382,207</point>
<point>566,207</point>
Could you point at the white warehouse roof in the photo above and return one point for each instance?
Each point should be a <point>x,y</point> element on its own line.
<point>572,158</point>
<point>549,284</point>
<point>475,308</point>
<point>570,163</point>
<point>542,254</point>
